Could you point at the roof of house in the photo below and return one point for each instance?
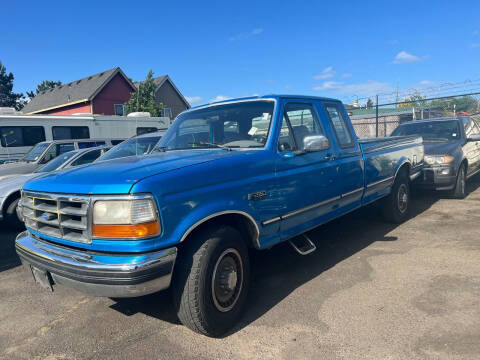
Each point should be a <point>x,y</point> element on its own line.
<point>72,93</point>
<point>160,80</point>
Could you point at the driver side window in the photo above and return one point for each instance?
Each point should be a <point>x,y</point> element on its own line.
<point>299,121</point>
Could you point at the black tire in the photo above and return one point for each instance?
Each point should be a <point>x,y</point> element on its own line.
<point>459,191</point>
<point>396,206</point>
<point>11,217</point>
<point>208,298</point>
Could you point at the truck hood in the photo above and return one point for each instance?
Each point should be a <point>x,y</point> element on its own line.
<point>441,148</point>
<point>17,168</point>
<point>119,175</point>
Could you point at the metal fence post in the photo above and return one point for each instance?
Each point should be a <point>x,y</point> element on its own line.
<point>376,117</point>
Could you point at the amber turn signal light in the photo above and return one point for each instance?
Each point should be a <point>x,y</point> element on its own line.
<point>125,231</point>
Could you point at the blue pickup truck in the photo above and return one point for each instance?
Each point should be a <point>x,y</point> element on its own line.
<point>226,177</point>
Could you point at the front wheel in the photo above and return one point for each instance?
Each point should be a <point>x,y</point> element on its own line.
<point>397,205</point>
<point>459,191</point>
<point>211,281</point>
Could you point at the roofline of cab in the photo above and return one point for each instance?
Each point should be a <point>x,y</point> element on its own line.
<point>262,97</point>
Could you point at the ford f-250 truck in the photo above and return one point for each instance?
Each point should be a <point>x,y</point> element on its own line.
<point>229,176</point>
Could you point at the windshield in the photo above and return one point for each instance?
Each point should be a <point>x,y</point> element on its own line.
<point>431,131</point>
<point>56,163</point>
<point>133,146</point>
<point>35,153</point>
<point>238,125</point>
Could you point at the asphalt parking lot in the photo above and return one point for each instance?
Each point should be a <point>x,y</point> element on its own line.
<point>371,290</point>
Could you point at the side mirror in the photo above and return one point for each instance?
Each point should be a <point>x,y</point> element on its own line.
<point>474,137</point>
<point>315,143</point>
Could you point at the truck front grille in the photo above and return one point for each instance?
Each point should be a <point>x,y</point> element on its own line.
<point>59,216</point>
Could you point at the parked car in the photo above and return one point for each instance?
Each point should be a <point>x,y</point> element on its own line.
<point>45,151</point>
<point>228,176</point>
<point>135,146</point>
<point>452,152</point>
<point>10,186</point>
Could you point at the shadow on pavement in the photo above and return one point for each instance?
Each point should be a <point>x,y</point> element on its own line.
<point>287,270</point>
<point>8,256</point>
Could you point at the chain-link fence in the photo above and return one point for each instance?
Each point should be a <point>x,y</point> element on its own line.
<point>381,120</point>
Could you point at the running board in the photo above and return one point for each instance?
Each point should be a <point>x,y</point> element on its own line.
<point>303,245</point>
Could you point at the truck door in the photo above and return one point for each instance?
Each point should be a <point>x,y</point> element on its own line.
<point>305,180</point>
<point>349,159</point>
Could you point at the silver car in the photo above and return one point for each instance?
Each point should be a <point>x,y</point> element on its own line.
<point>10,185</point>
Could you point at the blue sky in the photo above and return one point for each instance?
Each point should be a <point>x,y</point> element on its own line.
<point>211,50</point>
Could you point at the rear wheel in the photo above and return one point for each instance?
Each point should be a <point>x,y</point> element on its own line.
<point>211,281</point>
<point>459,192</point>
<point>397,205</point>
<point>11,216</point>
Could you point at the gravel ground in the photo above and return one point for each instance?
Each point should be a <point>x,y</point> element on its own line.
<point>371,290</point>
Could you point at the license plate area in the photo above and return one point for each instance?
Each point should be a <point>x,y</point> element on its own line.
<point>42,278</point>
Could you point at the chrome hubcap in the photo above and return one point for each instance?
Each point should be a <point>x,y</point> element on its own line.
<point>402,198</point>
<point>227,280</point>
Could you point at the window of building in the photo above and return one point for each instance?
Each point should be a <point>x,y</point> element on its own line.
<point>70,132</point>
<point>15,136</point>
<point>167,112</point>
<point>119,109</point>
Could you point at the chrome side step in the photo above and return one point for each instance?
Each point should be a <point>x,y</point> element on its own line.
<point>302,244</point>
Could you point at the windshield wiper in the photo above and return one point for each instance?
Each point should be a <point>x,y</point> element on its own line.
<point>225,147</point>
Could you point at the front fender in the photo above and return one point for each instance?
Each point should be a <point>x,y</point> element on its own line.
<point>178,224</point>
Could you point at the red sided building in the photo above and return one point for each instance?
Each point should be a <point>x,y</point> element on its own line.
<point>103,93</point>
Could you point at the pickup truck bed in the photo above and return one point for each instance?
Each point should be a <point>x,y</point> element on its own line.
<point>246,173</point>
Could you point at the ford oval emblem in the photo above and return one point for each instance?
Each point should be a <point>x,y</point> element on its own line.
<point>47,216</point>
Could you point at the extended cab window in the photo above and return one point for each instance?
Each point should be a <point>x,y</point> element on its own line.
<point>299,121</point>
<point>337,119</point>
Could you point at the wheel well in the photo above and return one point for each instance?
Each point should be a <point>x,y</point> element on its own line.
<point>464,161</point>
<point>404,168</point>
<point>10,198</point>
<point>243,224</point>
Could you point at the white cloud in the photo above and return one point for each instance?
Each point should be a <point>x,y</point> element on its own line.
<point>243,36</point>
<point>404,58</point>
<point>346,76</point>
<point>326,73</point>
<point>366,88</point>
<point>194,99</point>
<point>220,98</point>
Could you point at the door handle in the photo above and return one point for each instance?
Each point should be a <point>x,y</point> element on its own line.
<point>330,157</point>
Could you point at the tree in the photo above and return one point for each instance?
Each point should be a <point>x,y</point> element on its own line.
<point>44,85</point>
<point>144,98</point>
<point>369,103</point>
<point>7,97</point>
<point>416,100</point>
<point>464,103</point>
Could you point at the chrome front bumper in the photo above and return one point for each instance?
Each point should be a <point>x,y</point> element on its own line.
<point>99,274</point>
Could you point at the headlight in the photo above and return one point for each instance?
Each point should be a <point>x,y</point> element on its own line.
<point>438,160</point>
<point>132,218</point>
